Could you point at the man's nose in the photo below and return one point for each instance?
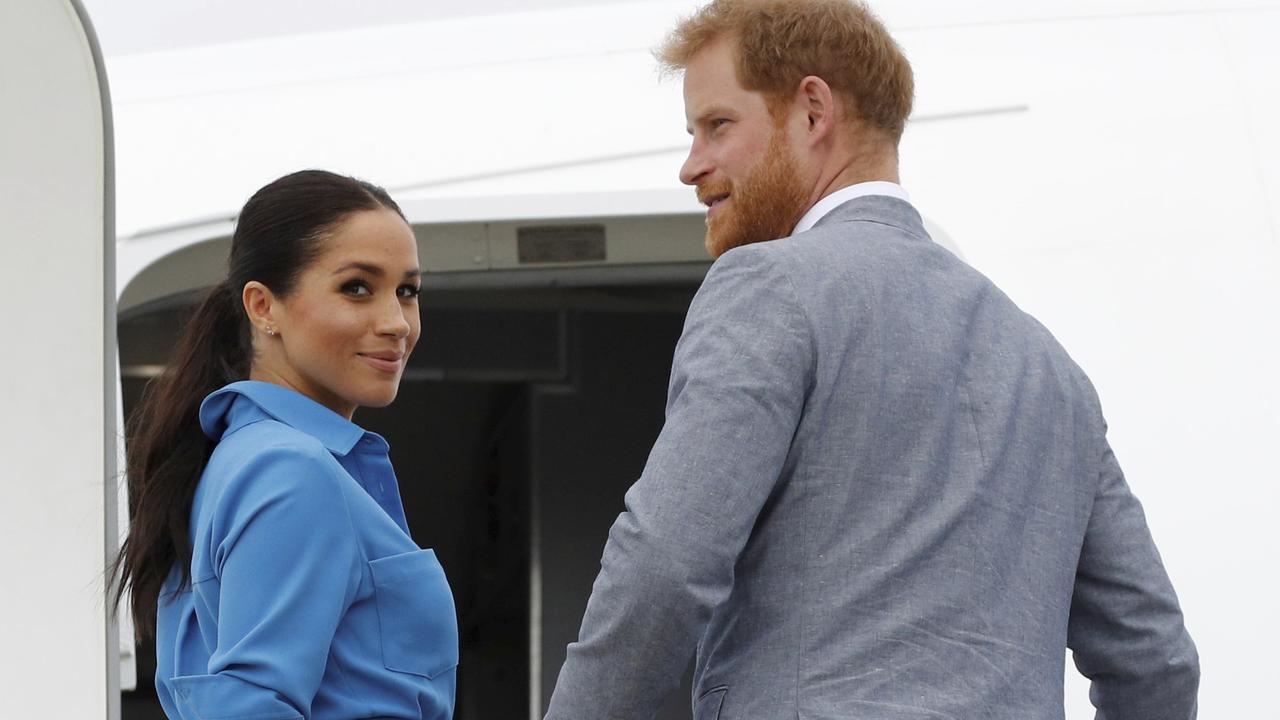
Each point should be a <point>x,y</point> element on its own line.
<point>695,167</point>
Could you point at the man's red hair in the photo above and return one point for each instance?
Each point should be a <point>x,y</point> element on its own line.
<point>780,42</point>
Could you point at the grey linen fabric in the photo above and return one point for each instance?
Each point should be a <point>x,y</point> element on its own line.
<point>882,491</point>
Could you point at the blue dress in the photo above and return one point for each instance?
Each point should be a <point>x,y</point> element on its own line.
<point>308,599</point>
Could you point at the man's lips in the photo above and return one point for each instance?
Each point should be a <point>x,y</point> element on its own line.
<point>386,360</point>
<point>712,201</point>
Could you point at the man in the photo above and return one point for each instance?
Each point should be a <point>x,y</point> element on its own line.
<point>882,491</point>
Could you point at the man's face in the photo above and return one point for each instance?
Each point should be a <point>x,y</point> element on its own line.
<point>741,163</point>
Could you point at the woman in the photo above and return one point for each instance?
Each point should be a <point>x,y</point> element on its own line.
<point>268,550</point>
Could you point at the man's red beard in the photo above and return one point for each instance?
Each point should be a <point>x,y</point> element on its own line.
<point>766,206</point>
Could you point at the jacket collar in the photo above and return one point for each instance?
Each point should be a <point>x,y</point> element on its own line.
<point>222,411</point>
<point>882,209</point>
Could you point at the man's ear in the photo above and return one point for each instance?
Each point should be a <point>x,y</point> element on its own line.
<point>260,305</point>
<point>818,103</point>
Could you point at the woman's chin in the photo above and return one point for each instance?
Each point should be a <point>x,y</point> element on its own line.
<point>378,397</point>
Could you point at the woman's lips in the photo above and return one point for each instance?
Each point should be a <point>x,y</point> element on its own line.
<point>384,362</point>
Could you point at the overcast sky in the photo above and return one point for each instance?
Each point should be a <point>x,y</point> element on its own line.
<point>126,27</point>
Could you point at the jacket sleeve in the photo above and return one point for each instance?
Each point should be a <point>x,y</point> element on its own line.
<point>288,565</point>
<point>740,376</point>
<point>1126,629</point>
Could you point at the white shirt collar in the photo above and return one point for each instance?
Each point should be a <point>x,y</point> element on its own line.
<point>844,195</point>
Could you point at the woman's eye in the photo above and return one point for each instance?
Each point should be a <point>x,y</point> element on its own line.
<point>409,291</point>
<point>356,288</point>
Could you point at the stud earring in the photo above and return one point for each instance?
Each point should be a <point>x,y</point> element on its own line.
<point>271,331</point>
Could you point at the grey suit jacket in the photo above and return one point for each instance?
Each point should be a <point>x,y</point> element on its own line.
<point>882,491</point>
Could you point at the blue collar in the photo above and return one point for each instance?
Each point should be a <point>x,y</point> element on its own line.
<point>290,407</point>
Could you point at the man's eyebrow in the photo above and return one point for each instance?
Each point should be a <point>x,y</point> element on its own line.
<point>706,115</point>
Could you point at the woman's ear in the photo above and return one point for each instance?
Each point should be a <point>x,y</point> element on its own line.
<point>260,306</point>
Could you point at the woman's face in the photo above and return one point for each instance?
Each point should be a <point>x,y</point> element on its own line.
<point>343,336</point>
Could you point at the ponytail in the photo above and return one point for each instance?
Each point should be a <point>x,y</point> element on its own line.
<point>166,450</point>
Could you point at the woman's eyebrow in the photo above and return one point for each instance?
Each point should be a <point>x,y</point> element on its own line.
<point>374,270</point>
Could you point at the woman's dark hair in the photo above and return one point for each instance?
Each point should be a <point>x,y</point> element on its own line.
<point>278,234</point>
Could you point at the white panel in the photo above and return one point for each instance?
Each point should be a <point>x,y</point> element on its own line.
<point>53,520</point>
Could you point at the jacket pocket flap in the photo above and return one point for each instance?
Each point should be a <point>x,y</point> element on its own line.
<point>709,704</point>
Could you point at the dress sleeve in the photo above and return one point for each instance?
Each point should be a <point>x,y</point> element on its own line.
<point>741,374</point>
<point>288,564</point>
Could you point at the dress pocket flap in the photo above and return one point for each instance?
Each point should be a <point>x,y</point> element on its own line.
<point>416,614</point>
